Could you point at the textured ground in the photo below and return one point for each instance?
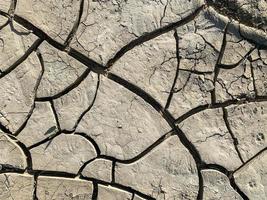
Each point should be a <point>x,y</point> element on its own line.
<point>133,99</point>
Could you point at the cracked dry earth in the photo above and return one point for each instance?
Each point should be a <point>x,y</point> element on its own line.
<point>133,100</point>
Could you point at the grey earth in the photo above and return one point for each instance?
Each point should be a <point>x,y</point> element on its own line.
<point>133,99</point>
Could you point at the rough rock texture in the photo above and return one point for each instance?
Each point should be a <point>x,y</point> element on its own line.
<point>65,153</point>
<point>10,153</point>
<point>251,178</point>
<point>169,171</point>
<point>63,188</point>
<point>207,130</point>
<point>133,99</point>
<point>112,193</point>
<point>217,186</point>
<point>16,186</point>
<point>99,169</point>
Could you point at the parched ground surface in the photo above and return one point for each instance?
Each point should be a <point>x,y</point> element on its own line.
<point>133,100</point>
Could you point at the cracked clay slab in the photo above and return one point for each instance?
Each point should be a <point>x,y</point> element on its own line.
<point>133,99</point>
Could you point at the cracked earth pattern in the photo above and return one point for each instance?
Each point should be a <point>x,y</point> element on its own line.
<point>133,100</point>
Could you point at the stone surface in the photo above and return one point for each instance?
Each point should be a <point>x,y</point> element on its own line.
<point>151,66</point>
<point>71,106</point>
<point>54,18</point>
<point>41,124</point>
<point>10,153</point>
<point>100,169</point>
<point>207,130</point>
<point>15,42</point>
<point>252,139</point>
<point>18,93</point>
<point>60,72</point>
<point>114,122</point>
<point>138,100</point>
<point>110,25</point>
<point>63,188</point>
<point>65,153</point>
<point>252,177</point>
<point>169,171</point>
<point>16,186</point>
<point>105,192</point>
<point>217,186</point>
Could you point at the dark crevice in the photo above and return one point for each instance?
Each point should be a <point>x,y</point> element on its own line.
<point>72,86</point>
<point>35,177</point>
<point>113,171</point>
<point>196,72</point>
<point>5,129</point>
<point>32,48</point>
<point>153,34</point>
<point>75,26</point>
<point>94,66</point>
<point>201,185</point>
<point>119,186</point>
<point>95,191</point>
<point>232,66</point>
<point>147,150</point>
<point>4,25</point>
<point>12,7</point>
<point>85,111</point>
<point>89,107</point>
<point>253,77</point>
<point>237,189</point>
<point>126,161</point>
<point>235,140</point>
<point>217,168</point>
<point>218,62</point>
<point>252,158</point>
<point>55,115</point>
<point>178,58</point>
<point>48,139</point>
<point>6,168</point>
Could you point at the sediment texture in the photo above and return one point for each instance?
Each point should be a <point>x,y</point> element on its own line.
<point>133,100</point>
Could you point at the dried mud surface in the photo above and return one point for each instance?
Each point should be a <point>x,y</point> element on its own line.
<point>133,100</point>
